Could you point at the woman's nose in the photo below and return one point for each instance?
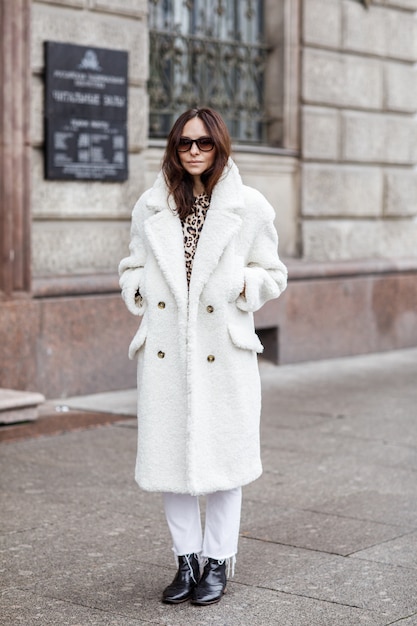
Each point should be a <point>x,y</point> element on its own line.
<point>194,148</point>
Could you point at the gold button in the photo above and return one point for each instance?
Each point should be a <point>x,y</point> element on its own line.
<point>210,309</point>
<point>161,354</point>
<point>161,305</point>
<point>210,358</point>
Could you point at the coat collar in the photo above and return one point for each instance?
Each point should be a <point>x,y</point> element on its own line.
<point>165,234</point>
<point>227,195</point>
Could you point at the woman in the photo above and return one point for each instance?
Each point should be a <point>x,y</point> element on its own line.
<point>203,258</point>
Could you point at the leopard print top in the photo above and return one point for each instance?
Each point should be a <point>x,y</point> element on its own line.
<point>192,227</point>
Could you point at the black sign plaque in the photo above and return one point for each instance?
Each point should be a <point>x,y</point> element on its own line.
<point>85,113</point>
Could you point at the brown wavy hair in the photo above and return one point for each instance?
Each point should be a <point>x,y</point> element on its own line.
<point>178,180</point>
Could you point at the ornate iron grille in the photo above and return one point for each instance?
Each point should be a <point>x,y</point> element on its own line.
<point>208,53</point>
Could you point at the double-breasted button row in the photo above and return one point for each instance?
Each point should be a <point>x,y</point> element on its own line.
<point>209,308</point>
<point>210,358</point>
<point>161,354</point>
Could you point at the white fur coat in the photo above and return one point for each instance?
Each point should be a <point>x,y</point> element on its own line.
<point>198,381</point>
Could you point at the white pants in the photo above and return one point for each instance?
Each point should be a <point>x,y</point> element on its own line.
<point>221,532</point>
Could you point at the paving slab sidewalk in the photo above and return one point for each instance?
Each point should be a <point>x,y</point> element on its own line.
<point>328,535</point>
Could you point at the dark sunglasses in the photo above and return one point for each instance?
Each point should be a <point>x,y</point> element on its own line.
<point>205,144</point>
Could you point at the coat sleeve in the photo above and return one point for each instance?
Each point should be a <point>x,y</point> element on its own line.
<point>131,268</point>
<point>265,275</point>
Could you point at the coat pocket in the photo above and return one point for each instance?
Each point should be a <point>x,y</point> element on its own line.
<point>245,338</point>
<point>138,340</point>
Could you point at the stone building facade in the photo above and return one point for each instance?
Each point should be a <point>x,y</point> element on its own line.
<point>341,84</point>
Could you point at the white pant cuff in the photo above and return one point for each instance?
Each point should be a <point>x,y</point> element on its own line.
<point>230,564</point>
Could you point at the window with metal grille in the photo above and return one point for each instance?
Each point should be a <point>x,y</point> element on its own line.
<point>208,53</point>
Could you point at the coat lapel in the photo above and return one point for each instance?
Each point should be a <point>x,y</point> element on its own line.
<point>165,237</point>
<point>221,224</point>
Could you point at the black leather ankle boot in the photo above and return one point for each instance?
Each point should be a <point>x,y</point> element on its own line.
<point>185,580</point>
<point>212,584</point>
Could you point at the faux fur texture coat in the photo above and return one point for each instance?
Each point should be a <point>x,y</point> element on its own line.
<point>199,396</point>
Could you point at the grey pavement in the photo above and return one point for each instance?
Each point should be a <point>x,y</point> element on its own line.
<point>328,536</point>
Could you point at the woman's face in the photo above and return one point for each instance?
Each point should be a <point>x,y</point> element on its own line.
<point>196,161</point>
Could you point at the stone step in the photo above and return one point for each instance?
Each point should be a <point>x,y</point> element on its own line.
<point>19,406</point>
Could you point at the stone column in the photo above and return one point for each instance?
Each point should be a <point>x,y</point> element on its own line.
<point>14,147</point>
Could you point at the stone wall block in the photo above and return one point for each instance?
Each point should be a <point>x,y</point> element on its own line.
<point>379,30</point>
<point>320,133</point>
<point>401,140</point>
<point>78,247</point>
<point>400,192</point>
<point>364,30</point>
<point>364,137</point>
<point>20,327</point>
<point>57,199</point>
<point>82,345</point>
<point>137,119</point>
<point>95,29</point>
<point>322,23</point>
<point>336,240</point>
<point>327,240</point>
<point>134,8</point>
<point>37,111</point>
<point>341,80</point>
<point>376,138</point>
<point>401,36</point>
<point>400,87</point>
<point>401,4</point>
<point>330,190</point>
<point>79,4</point>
